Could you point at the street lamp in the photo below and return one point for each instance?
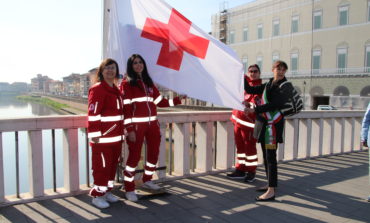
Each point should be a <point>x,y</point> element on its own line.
<point>304,94</point>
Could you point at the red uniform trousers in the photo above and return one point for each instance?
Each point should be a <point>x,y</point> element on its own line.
<point>105,159</point>
<point>151,132</point>
<point>246,151</point>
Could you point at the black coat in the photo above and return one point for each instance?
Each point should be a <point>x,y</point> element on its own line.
<point>276,100</point>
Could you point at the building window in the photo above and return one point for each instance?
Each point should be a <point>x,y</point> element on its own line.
<point>367,59</point>
<point>245,34</point>
<point>275,57</point>
<point>295,21</point>
<point>294,63</point>
<point>232,37</point>
<point>316,61</point>
<point>343,15</point>
<point>259,31</point>
<point>276,27</point>
<point>260,61</point>
<point>245,64</point>
<point>317,19</point>
<point>341,60</point>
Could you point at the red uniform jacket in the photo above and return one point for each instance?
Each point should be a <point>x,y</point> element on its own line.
<point>140,103</point>
<point>105,114</point>
<point>238,117</point>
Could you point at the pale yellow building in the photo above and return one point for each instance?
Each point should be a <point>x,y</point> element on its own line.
<point>317,38</point>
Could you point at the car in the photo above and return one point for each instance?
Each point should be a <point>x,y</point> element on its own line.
<point>326,107</point>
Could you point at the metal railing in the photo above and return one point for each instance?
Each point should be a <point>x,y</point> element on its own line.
<point>192,143</point>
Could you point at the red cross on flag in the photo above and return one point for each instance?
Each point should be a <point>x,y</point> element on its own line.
<point>179,55</point>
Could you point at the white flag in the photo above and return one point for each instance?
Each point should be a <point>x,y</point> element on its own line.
<point>179,55</point>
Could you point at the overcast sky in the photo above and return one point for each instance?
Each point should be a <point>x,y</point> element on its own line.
<point>60,37</point>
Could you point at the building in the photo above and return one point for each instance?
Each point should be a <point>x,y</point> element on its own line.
<point>56,87</point>
<point>40,84</point>
<point>326,44</point>
<point>71,85</point>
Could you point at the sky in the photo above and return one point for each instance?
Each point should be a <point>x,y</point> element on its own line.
<point>60,37</point>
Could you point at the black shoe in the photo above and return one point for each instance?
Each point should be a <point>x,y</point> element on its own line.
<point>237,174</point>
<point>251,176</point>
<point>266,199</point>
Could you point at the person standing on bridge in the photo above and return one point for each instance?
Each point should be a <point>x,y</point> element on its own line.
<point>106,131</point>
<point>141,98</point>
<point>365,133</point>
<point>246,152</point>
<point>269,124</point>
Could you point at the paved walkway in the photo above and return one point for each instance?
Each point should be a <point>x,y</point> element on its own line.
<point>330,189</point>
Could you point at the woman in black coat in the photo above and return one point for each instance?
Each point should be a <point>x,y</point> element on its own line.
<point>269,124</point>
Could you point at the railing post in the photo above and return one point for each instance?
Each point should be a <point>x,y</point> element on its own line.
<point>70,157</point>
<point>338,135</point>
<point>2,182</point>
<point>304,140</point>
<point>348,135</point>
<point>225,145</point>
<point>356,145</point>
<point>162,152</point>
<point>315,137</point>
<point>291,139</point>
<point>204,146</point>
<point>35,160</point>
<point>181,149</point>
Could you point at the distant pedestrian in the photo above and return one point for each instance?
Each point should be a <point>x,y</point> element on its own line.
<point>246,152</point>
<point>105,130</point>
<point>141,98</point>
<point>365,133</point>
<point>269,124</point>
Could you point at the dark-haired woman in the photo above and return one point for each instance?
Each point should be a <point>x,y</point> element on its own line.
<point>141,98</point>
<point>269,124</point>
<point>246,152</point>
<point>105,130</point>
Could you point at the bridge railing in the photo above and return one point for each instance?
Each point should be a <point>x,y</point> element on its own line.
<point>195,143</point>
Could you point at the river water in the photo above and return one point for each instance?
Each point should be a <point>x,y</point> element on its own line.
<point>10,107</point>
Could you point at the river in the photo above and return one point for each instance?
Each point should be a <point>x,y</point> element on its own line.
<point>10,107</point>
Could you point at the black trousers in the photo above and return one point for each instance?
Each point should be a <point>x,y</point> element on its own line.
<point>270,162</point>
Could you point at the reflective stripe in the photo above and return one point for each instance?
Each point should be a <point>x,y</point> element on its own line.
<point>110,129</point>
<point>110,183</point>
<point>150,165</point>
<point>129,179</point>
<point>171,102</point>
<point>96,107</point>
<point>126,101</point>
<point>102,189</point>
<point>251,163</point>
<point>146,119</point>
<point>94,118</point>
<point>127,121</point>
<point>110,139</point>
<point>158,99</point>
<point>241,161</point>
<point>102,159</point>
<point>142,99</point>
<point>248,124</point>
<point>252,157</point>
<point>117,104</point>
<point>112,118</point>
<point>147,172</point>
<point>130,169</point>
<point>240,155</point>
<point>93,134</point>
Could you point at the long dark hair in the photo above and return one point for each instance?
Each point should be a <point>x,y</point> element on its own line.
<point>132,76</point>
<point>99,74</point>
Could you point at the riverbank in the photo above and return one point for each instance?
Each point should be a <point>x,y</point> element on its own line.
<point>73,108</point>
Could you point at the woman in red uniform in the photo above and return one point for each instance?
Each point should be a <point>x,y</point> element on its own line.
<point>105,129</point>
<point>246,151</point>
<point>141,98</point>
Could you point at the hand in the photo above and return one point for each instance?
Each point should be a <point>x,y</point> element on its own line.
<point>248,110</point>
<point>131,136</point>
<point>95,139</point>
